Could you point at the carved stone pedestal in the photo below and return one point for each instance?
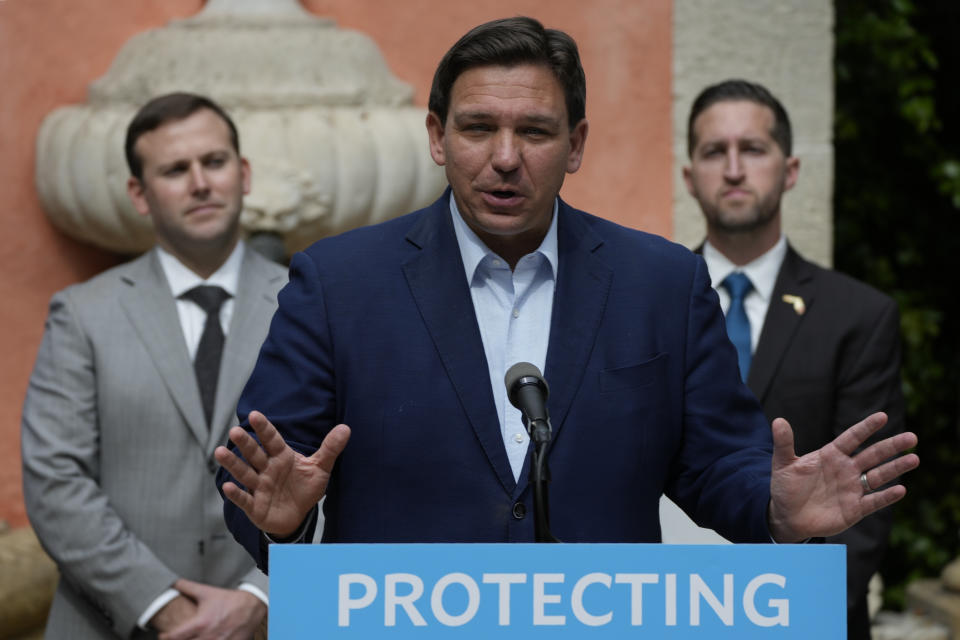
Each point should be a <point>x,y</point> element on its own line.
<point>938,599</point>
<point>334,139</point>
<point>932,600</point>
<point>890,625</point>
<point>28,579</point>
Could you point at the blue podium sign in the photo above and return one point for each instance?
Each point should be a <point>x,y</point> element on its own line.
<point>558,591</point>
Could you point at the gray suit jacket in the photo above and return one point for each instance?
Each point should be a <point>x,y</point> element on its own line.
<point>118,467</point>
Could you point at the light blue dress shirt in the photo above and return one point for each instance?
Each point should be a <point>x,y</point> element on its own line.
<point>513,310</point>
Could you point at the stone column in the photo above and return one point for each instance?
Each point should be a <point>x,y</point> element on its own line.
<point>786,45</point>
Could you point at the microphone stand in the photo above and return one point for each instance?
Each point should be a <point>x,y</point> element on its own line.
<point>539,431</point>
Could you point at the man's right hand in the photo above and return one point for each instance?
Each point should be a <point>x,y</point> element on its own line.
<point>282,485</point>
<point>223,614</point>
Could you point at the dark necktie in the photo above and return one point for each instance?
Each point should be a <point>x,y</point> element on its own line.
<point>206,363</point>
<point>738,285</point>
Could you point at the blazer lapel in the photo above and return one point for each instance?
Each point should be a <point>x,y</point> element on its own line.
<point>152,311</point>
<point>580,297</point>
<point>782,320</point>
<point>253,309</point>
<point>436,278</point>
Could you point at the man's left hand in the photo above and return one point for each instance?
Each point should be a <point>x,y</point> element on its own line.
<point>222,614</point>
<point>822,493</point>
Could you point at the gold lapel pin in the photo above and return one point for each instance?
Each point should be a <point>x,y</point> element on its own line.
<point>798,306</point>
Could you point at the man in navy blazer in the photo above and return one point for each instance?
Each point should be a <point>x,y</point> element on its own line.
<point>404,330</point>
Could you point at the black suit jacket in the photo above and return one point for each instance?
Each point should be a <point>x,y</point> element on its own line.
<point>825,367</point>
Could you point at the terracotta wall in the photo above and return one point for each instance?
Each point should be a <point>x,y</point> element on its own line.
<point>51,49</point>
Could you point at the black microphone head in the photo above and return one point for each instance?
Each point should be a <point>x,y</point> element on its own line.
<point>520,374</point>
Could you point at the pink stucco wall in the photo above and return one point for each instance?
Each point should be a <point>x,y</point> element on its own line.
<point>50,50</point>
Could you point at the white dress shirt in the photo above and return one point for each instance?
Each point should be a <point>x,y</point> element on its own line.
<point>762,272</point>
<point>181,279</point>
<point>192,318</point>
<point>513,310</point>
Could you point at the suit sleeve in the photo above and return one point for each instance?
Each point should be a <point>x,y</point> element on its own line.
<point>869,381</point>
<point>292,384</point>
<point>71,515</point>
<point>722,473</point>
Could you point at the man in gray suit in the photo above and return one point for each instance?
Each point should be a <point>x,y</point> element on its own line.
<point>136,383</point>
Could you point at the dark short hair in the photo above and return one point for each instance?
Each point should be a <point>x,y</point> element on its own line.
<point>164,109</point>
<point>735,90</point>
<point>509,42</point>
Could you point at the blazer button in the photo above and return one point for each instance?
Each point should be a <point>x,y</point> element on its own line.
<point>519,510</point>
<point>212,465</point>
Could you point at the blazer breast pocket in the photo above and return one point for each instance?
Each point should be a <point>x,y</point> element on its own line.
<point>636,376</point>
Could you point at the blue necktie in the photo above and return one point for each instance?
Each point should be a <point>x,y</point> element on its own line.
<point>738,285</point>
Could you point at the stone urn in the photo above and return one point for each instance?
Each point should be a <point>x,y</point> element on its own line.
<point>332,136</point>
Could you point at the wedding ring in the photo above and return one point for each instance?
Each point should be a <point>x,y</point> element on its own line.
<point>864,483</point>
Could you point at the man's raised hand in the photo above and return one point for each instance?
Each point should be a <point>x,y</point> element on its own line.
<point>834,487</point>
<point>282,485</point>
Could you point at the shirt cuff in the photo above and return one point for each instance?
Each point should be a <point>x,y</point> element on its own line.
<point>256,591</point>
<point>162,600</point>
<point>804,541</point>
<point>297,536</point>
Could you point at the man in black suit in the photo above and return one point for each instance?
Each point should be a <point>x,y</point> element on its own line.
<point>816,347</point>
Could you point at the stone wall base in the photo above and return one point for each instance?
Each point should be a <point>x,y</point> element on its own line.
<point>28,579</point>
<point>930,599</point>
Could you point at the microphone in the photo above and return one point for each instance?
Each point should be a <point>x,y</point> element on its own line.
<point>528,392</point>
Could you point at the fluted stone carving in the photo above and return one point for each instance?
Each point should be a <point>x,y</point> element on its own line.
<point>331,134</point>
<point>28,579</point>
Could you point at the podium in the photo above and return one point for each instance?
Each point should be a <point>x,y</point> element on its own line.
<point>736,592</point>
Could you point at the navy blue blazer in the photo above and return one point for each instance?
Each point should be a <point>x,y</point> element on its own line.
<point>376,329</point>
